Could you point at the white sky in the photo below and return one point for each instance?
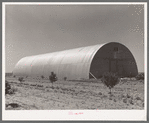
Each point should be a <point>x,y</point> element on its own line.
<point>39,29</point>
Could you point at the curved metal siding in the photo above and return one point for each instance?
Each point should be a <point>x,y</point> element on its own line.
<point>76,63</point>
<point>73,64</point>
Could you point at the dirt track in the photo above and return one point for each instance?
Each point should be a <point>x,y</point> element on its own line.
<point>74,95</point>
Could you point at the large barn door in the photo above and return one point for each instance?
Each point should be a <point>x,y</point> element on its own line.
<point>120,68</point>
<point>116,66</point>
<point>113,66</point>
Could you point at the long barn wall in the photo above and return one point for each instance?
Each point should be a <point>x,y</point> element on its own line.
<point>73,64</point>
<point>77,63</point>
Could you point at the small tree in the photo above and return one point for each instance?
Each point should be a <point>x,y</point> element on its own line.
<point>110,80</point>
<point>52,78</point>
<point>42,77</point>
<point>21,79</point>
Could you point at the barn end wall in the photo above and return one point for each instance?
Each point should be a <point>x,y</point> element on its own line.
<point>107,60</point>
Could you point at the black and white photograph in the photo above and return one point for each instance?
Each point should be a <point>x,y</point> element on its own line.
<point>74,61</point>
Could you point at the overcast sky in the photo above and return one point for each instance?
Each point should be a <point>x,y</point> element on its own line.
<point>39,29</point>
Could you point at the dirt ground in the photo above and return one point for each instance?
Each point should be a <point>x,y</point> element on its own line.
<point>65,95</point>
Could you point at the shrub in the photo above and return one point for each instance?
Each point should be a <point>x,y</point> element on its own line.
<point>138,98</point>
<point>100,93</point>
<point>125,100</point>
<point>128,96</point>
<point>140,76</point>
<point>21,79</point>
<point>39,85</point>
<point>110,80</point>
<point>42,77</point>
<point>13,90</point>
<point>52,78</point>
<point>13,105</point>
<point>131,102</point>
<point>9,89</point>
<point>65,78</point>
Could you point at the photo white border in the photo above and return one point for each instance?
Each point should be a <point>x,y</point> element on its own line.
<point>96,115</point>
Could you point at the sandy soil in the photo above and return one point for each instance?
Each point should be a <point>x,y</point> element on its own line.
<point>40,95</point>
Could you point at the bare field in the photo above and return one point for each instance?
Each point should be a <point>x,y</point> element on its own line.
<point>74,95</point>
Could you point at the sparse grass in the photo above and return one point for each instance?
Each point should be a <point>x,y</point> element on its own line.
<point>73,95</point>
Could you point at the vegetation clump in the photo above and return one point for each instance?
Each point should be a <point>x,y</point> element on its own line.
<point>13,105</point>
<point>9,89</point>
<point>110,80</point>
<point>65,78</point>
<point>140,76</point>
<point>42,77</point>
<point>52,78</point>
<point>21,79</point>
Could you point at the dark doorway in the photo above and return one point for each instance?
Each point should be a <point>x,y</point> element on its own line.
<point>113,66</point>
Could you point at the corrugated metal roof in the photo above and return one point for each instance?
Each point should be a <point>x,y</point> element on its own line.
<point>73,63</point>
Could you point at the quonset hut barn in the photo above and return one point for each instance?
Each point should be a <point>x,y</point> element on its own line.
<point>80,63</point>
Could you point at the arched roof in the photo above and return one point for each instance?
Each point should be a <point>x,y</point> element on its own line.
<point>70,62</point>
